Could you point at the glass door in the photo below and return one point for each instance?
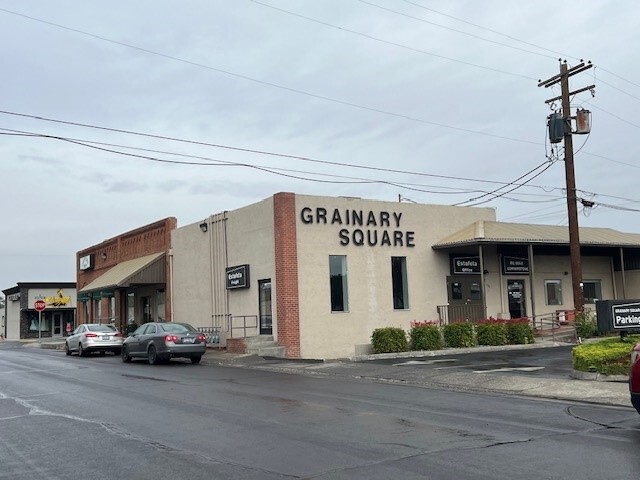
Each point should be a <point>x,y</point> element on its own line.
<point>264,287</point>
<point>57,324</point>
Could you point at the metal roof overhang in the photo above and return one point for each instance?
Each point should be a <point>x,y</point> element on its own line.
<point>149,269</point>
<point>485,232</point>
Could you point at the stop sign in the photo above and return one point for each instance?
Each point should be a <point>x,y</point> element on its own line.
<point>39,305</point>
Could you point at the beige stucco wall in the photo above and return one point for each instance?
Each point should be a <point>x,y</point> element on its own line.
<point>340,334</point>
<point>192,280</point>
<point>199,260</point>
<point>250,236</point>
<point>545,268</point>
<point>12,319</point>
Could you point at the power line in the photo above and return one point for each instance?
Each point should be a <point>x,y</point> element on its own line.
<point>271,84</point>
<point>477,37</point>
<point>207,161</point>
<point>387,42</point>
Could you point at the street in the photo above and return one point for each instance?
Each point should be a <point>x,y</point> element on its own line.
<point>98,418</point>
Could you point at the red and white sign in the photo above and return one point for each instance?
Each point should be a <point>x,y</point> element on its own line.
<point>39,305</point>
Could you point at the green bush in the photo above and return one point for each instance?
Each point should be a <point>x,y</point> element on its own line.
<point>519,331</point>
<point>608,357</point>
<point>389,340</point>
<point>586,326</point>
<point>458,335</point>
<point>491,332</point>
<point>425,337</point>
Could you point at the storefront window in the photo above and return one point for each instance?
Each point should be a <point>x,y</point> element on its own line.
<point>553,292</point>
<point>338,283</point>
<point>399,283</point>
<point>591,290</point>
<point>160,302</point>
<point>131,309</point>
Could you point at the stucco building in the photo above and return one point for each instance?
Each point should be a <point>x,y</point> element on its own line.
<point>319,274</point>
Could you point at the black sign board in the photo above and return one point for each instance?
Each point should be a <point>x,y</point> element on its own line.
<point>465,265</point>
<point>618,315</point>
<point>237,277</point>
<point>515,266</point>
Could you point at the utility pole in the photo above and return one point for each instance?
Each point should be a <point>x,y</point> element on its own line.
<point>572,199</point>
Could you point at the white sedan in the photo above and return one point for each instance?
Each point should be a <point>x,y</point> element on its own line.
<point>94,337</point>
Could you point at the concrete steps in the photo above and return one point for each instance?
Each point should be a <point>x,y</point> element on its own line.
<point>264,346</point>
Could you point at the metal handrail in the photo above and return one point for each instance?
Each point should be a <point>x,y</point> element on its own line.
<point>244,326</point>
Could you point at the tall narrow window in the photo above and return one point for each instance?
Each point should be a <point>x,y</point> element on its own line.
<point>553,292</point>
<point>160,300</point>
<point>131,309</point>
<point>338,283</point>
<point>399,283</point>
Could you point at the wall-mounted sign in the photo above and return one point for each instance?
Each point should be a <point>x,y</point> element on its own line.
<point>465,265</point>
<point>362,228</point>
<point>14,297</point>
<point>87,262</point>
<point>515,265</point>
<point>237,277</point>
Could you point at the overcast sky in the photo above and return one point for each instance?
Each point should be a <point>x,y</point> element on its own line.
<point>427,101</point>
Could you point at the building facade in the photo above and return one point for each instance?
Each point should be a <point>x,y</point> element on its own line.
<point>23,321</point>
<point>319,274</point>
<point>125,280</point>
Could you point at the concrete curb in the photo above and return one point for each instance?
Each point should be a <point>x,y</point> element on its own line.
<point>598,377</point>
<point>454,351</point>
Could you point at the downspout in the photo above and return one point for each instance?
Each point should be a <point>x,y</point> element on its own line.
<point>531,282</point>
<point>482,281</point>
<point>171,284</point>
<point>624,281</point>
<point>613,277</point>
<point>210,233</point>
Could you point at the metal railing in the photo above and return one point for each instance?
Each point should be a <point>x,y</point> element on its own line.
<point>459,313</point>
<point>212,334</point>
<point>249,323</point>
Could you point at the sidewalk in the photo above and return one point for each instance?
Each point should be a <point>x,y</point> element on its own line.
<point>583,387</point>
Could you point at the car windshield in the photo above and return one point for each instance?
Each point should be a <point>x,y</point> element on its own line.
<point>177,328</point>
<point>101,328</point>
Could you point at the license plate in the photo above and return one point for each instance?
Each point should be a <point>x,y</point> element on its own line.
<point>188,340</point>
<point>105,337</point>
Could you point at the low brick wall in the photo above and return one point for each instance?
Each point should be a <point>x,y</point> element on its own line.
<point>236,345</point>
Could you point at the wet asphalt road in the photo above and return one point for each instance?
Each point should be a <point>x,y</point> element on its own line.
<point>69,417</point>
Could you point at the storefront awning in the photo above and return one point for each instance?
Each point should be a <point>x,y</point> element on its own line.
<point>139,271</point>
<point>490,232</point>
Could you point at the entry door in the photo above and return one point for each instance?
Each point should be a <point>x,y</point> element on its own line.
<point>465,298</point>
<point>516,297</point>
<point>264,287</point>
<point>57,324</point>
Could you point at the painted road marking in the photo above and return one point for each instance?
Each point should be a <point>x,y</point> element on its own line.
<point>510,369</point>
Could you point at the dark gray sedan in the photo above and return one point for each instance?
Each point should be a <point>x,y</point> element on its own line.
<point>158,342</point>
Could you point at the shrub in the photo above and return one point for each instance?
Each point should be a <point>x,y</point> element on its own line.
<point>608,357</point>
<point>491,332</point>
<point>389,340</point>
<point>519,331</point>
<point>425,336</point>
<point>586,325</point>
<point>458,335</point>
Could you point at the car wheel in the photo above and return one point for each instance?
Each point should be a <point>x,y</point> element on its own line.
<point>152,355</point>
<point>66,348</point>
<point>124,353</point>
<point>81,352</point>
<point>195,359</point>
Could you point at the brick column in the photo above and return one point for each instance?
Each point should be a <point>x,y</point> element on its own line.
<point>287,301</point>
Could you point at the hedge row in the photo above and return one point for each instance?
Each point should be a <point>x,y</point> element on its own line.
<point>430,336</point>
<point>608,357</point>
